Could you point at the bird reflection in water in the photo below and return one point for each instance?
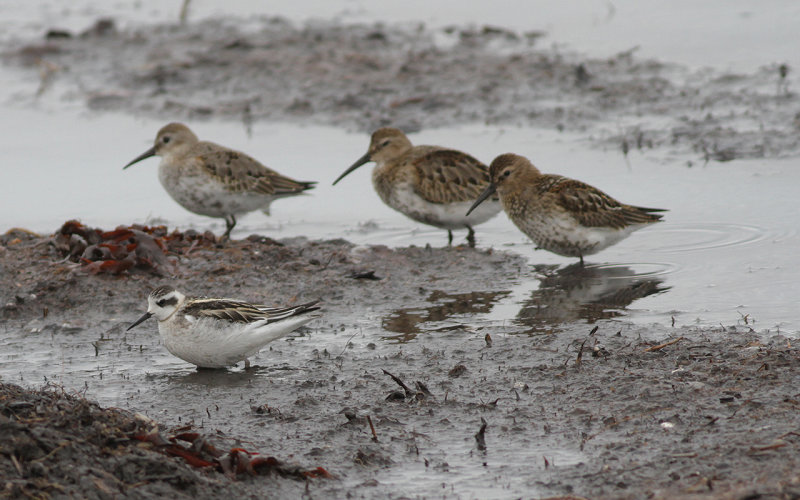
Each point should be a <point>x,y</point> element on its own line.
<point>564,295</point>
<point>576,293</point>
<point>407,322</point>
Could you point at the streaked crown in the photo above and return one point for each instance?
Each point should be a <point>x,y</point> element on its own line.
<point>510,166</point>
<point>174,137</point>
<point>387,143</point>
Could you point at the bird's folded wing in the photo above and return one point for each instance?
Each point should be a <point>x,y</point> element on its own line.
<point>590,206</point>
<point>242,173</point>
<point>448,176</point>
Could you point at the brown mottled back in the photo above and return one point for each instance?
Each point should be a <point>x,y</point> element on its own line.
<point>592,207</point>
<point>240,172</point>
<point>447,176</point>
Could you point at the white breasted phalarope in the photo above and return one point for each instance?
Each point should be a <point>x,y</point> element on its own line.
<point>216,333</point>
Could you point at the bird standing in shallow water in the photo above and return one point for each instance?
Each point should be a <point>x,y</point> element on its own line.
<point>561,215</point>
<point>429,184</point>
<point>216,333</point>
<point>209,179</point>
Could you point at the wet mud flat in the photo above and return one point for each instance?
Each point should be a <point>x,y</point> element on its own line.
<point>470,407</point>
<point>363,76</point>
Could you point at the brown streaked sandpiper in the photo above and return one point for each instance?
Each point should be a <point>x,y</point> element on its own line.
<point>209,179</point>
<point>561,215</point>
<point>217,333</point>
<point>430,184</point>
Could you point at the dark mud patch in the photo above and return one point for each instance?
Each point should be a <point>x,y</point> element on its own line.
<point>475,408</point>
<point>360,77</point>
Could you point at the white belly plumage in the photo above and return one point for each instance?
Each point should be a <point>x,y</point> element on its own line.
<point>404,199</point>
<point>563,235</point>
<point>215,343</point>
<point>203,195</point>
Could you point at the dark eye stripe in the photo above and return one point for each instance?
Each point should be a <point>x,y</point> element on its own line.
<point>168,302</point>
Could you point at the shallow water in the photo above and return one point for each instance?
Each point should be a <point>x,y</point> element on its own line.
<point>724,252</point>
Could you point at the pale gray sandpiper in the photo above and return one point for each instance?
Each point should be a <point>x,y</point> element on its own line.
<point>429,184</point>
<point>561,215</point>
<point>209,179</point>
<point>217,333</point>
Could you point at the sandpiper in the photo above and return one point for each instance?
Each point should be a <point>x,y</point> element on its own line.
<point>429,184</point>
<point>217,333</point>
<point>561,215</point>
<point>209,179</point>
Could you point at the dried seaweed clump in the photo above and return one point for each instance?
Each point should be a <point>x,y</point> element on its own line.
<point>57,444</point>
<point>126,248</point>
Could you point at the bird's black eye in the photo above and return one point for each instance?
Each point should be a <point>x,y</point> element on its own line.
<point>160,303</point>
<point>385,143</point>
<point>165,139</point>
<point>506,173</point>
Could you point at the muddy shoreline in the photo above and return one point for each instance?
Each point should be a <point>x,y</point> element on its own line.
<point>576,400</point>
<point>617,411</point>
<point>363,76</point>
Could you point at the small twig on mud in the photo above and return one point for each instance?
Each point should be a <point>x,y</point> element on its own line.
<point>423,389</point>
<point>399,382</point>
<point>191,247</point>
<point>490,404</point>
<point>580,354</point>
<point>17,465</point>
<point>372,428</point>
<point>480,435</point>
<point>769,447</point>
<point>55,450</point>
<point>661,346</point>
<point>333,254</point>
<point>364,275</point>
<point>683,455</point>
<point>347,344</point>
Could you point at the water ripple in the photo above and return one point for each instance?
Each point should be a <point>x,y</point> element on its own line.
<point>692,237</point>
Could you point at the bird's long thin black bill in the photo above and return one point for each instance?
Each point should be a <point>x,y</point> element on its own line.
<point>364,159</point>
<point>490,189</point>
<point>144,317</point>
<point>147,154</point>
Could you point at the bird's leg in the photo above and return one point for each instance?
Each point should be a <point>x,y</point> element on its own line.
<point>229,223</point>
<point>246,364</point>
<point>449,237</point>
<point>581,257</point>
<point>471,237</point>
